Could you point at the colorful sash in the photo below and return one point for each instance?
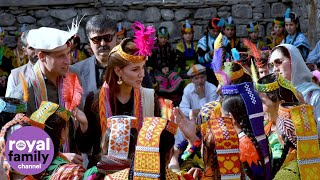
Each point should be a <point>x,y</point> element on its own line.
<point>119,139</point>
<point>227,147</point>
<point>105,108</point>
<point>39,86</point>
<point>256,116</point>
<point>147,156</point>
<point>308,153</point>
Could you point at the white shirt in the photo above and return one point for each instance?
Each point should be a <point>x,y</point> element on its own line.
<point>190,100</point>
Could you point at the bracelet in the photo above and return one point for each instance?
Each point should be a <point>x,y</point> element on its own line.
<point>191,149</point>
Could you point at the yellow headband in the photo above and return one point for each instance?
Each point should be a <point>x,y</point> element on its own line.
<point>126,56</point>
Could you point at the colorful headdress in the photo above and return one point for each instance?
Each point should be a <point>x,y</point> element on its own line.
<point>290,16</point>
<point>252,27</point>
<point>12,105</point>
<point>2,32</point>
<point>46,110</point>
<point>229,22</point>
<point>144,41</point>
<point>217,23</point>
<point>297,122</point>
<point>147,156</point>
<point>120,29</point>
<point>208,111</point>
<point>226,143</point>
<point>51,39</point>
<point>255,113</point>
<point>275,85</point>
<point>279,21</point>
<point>22,29</point>
<point>163,32</point>
<point>226,75</point>
<point>187,28</point>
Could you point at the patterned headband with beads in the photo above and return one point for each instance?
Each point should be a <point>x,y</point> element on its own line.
<point>147,156</point>
<point>255,113</point>
<point>280,81</point>
<point>226,146</point>
<point>226,75</point>
<point>305,138</point>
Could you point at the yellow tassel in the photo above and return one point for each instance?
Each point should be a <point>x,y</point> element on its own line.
<point>218,42</point>
<point>254,72</point>
<point>24,88</point>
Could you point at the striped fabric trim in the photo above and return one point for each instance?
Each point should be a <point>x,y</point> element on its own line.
<point>231,176</point>
<point>261,137</point>
<point>251,116</point>
<point>147,175</point>
<point>305,138</point>
<point>309,161</point>
<point>228,151</point>
<point>148,149</point>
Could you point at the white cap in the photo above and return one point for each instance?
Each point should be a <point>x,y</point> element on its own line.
<point>196,69</point>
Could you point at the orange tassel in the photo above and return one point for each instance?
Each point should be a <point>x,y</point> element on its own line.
<point>248,152</point>
<point>24,88</point>
<point>72,91</point>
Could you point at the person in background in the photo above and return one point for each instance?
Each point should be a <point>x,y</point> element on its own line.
<point>87,50</point>
<point>253,31</point>
<point>197,93</point>
<point>121,33</point>
<point>294,35</point>
<point>20,58</point>
<point>186,50</point>
<point>277,33</point>
<point>314,55</point>
<point>76,54</point>
<point>229,30</point>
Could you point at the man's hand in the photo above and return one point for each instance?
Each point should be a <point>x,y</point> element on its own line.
<point>73,157</point>
<point>79,116</point>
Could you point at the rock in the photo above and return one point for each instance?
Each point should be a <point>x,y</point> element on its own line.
<point>257,3</point>
<point>7,19</point>
<point>26,3</point>
<point>224,8</point>
<point>241,11</point>
<point>152,14</point>
<point>63,14</point>
<point>257,16</point>
<point>198,33</point>
<point>182,14</point>
<point>89,11</point>
<point>167,14</point>
<point>205,13</point>
<point>224,14</point>
<point>271,1</point>
<point>266,10</point>
<point>277,9</point>
<point>18,11</point>
<point>41,13</point>
<point>214,2</point>
<point>241,31</point>
<point>117,15</point>
<point>134,15</point>
<point>26,19</point>
<point>47,22</point>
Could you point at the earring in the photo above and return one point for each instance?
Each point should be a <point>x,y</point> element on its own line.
<point>119,81</point>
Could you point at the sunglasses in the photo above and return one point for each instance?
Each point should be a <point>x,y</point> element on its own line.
<point>107,38</point>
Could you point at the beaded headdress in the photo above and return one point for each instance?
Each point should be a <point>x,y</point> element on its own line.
<point>255,113</point>
<point>187,28</point>
<point>252,27</point>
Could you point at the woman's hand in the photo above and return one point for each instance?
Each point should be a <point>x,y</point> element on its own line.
<point>188,127</point>
<point>196,173</point>
<point>79,116</point>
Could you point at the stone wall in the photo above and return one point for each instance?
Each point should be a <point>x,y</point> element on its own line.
<point>170,13</point>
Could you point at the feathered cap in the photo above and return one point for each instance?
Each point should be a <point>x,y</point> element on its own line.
<point>120,30</point>
<point>163,32</point>
<point>216,23</point>
<point>21,30</point>
<point>144,41</point>
<point>2,32</point>
<point>148,145</point>
<point>279,21</point>
<point>229,22</point>
<point>12,105</point>
<point>252,27</point>
<point>51,39</point>
<point>46,110</point>
<point>187,28</point>
<point>290,16</point>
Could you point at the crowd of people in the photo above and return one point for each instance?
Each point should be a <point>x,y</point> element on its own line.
<point>138,108</point>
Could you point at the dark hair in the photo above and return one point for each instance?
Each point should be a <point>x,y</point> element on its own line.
<point>295,19</point>
<point>100,24</point>
<point>234,104</point>
<point>165,146</point>
<point>209,154</point>
<point>279,94</point>
<point>283,50</point>
<point>54,126</point>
